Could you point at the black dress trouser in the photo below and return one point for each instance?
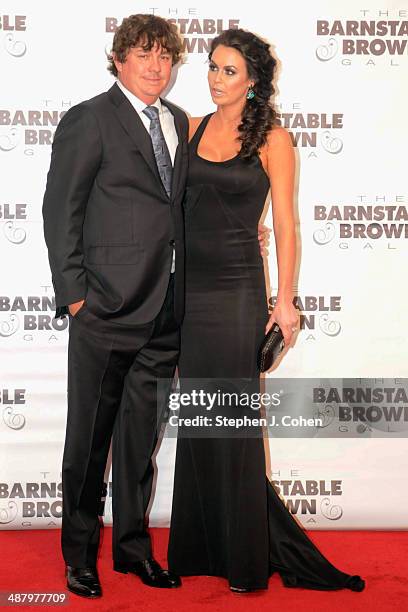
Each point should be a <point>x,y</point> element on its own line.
<point>112,393</point>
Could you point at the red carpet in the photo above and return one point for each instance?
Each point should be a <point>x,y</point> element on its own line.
<point>31,561</point>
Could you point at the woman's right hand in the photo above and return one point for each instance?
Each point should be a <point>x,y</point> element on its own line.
<point>263,238</point>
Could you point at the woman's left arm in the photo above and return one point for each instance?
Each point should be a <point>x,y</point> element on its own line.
<point>281,171</point>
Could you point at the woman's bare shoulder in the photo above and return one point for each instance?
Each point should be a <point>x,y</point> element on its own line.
<point>279,137</point>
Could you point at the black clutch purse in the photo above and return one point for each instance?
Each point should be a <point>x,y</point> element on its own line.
<point>271,347</point>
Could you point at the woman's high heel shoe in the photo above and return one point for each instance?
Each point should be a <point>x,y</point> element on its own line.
<point>240,590</point>
<point>244,589</point>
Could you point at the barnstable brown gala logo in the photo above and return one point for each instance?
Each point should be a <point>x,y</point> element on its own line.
<point>312,131</point>
<point>197,33</point>
<point>309,497</point>
<point>11,215</point>
<point>23,501</point>
<point>30,315</point>
<point>375,34</point>
<point>11,403</point>
<point>11,26</point>
<point>11,23</point>
<point>27,503</point>
<point>369,222</point>
<point>27,127</point>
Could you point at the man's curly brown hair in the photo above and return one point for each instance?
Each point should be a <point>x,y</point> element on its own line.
<point>145,31</point>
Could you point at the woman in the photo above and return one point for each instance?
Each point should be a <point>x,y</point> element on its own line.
<point>227,519</point>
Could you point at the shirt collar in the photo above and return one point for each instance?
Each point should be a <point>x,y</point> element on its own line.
<point>136,102</point>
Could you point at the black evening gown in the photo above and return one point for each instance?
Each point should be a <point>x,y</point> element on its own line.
<point>227,519</point>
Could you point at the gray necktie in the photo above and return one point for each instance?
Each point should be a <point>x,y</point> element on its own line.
<point>161,152</point>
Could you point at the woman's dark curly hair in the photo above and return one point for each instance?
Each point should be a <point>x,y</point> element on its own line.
<point>258,115</point>
<point>144,30</point>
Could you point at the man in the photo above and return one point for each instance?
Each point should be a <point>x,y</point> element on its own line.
<point>114,230</point>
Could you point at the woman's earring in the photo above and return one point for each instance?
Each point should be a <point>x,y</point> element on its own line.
<point>250,93</point>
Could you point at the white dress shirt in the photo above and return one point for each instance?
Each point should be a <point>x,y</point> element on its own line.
<point>167,125</point>
<point>165,117</point>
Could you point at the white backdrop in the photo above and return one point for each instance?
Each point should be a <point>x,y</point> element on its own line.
<point>342,94</point>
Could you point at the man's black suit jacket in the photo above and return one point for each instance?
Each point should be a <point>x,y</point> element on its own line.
<point>109,225</point>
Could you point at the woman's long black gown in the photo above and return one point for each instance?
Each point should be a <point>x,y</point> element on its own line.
<point>227,519</point>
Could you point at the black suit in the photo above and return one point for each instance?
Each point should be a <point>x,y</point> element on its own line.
<point>110,229</point>
<point>108,224</point>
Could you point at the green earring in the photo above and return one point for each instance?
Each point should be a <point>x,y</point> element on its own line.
<point>250,94</point>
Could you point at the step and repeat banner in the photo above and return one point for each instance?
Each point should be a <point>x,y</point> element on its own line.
<point>341,92</point>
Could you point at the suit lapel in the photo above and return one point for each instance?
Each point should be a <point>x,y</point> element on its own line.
<point>134,127</point>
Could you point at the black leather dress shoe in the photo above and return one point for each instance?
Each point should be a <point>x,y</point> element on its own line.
<point>83,581</point>
<point>150,573</point>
